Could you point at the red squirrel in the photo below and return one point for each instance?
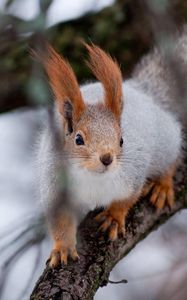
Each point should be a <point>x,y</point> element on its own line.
<point>120,141</point>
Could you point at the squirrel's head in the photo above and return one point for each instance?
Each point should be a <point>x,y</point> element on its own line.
<point>93,138</point>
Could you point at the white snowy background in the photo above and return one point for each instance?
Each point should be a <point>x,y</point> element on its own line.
<point>155,269</point>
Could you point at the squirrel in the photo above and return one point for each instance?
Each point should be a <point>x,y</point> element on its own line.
<point>120,140</point>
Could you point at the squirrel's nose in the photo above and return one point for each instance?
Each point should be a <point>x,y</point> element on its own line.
<point>106,159</point>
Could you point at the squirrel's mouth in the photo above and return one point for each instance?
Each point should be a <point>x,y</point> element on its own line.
<point>105,170</point>
<point>102,169</point>
<point>97,166</point>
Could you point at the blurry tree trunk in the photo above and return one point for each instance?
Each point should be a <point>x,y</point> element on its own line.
<point>80,281</point>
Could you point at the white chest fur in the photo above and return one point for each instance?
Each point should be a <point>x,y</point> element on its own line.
<point>91,190</point>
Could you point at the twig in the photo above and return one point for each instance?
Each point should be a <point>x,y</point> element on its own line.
<point>118,282</point>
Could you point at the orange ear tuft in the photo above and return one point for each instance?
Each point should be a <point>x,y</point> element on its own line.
<point>108,72</point>
<point>62,80</point>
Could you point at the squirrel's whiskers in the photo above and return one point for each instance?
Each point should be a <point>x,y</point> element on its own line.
<point>116,135</point>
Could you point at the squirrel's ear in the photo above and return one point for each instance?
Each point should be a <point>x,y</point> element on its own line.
<point>108,72</point>
<point>63,83</point>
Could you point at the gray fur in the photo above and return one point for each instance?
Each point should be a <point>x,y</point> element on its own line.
<point>163,75</point>
<point>151,131</point>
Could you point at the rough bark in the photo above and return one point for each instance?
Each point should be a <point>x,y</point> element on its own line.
<point>97,257</point>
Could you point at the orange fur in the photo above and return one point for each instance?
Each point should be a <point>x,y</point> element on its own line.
<point>162,190</point>
<point>63,232</point>
<point>162,193</point>
<point>113,218</point>
<point>62,80</point>
<point>108,72</point>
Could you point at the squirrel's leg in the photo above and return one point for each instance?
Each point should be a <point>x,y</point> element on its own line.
<point>161,189</point>
<point>63,229</point>
<point>113,218</point>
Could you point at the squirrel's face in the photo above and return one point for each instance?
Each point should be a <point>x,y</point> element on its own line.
<point>96,141</point>
<point>93,135</point>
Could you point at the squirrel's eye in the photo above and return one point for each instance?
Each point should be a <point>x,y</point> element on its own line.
<point>121,142</point>
<point>79,140</point>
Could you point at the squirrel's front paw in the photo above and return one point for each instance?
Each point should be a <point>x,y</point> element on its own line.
<point>162,193</point>
<point>113,222</point>
<point>60,254</point>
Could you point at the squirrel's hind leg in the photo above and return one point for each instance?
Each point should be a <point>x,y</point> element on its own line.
<point>112,219</point>
<point>63,230</point>
<point>161,189</point>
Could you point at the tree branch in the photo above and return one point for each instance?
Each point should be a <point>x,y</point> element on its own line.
<point>98,257</point>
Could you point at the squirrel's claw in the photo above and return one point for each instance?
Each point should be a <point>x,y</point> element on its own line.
<point>162,192</point>
<point>147,189</point>
<point>113,224</point>
<point>60,255</point>
<point>54,259</point>
<point>113,232</point>
<point>161,196</point>
<point>74,254</point>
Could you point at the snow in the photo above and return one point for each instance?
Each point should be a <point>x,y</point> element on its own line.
<point>17,190</point>
<point>58,11</point>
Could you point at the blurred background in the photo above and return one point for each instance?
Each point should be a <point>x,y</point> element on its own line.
<point>157,267</point>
